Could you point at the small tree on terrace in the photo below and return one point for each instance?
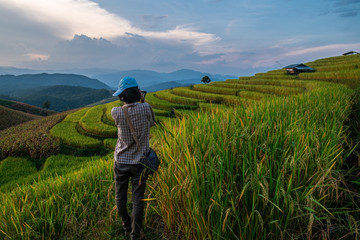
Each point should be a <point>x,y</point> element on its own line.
<point>46,104</point>
<point>206,79</point>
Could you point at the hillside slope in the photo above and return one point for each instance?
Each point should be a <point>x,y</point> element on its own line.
<point>261,157</point>
<point>10,84</point>
<point>10,117</point>
<point>62,98</point>
<point>148,79</point>
<point>26,108</point>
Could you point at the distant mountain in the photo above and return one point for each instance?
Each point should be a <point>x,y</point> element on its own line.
<point>26,108</point>
<point>162,86</point>
<point>10,84</point>
<point>149,79</point>
<point>16,71</point>
<point>62,98</point>
<point>11,117</point>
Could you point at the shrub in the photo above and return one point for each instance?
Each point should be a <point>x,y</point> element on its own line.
<point>31,139</point>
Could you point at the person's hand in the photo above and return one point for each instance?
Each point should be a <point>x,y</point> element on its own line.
<point>142,93</point>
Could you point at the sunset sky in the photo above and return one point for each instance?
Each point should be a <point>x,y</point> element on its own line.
<point>238,37</point>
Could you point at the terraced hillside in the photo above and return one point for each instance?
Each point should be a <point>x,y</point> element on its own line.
<point>10,117</point>
<point>261,157</point>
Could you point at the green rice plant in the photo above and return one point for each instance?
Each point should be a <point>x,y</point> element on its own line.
<point>338,60</point>
<point>338,67</point>
<point>210,97</point>
<point>349,77</point>
<point>76,116</point>
<point>25,173</point>
<point>213,106</point>
<point>213,88</point>
<point>164,113</point>
<point>57,207</point>
<point>180,113</point>
<point>110,143</point>
<point>167,95</point>
<point>187,92</point>
<point>13,168</point>
<point>273,82</point>
<point>274,76</point>
<point>158,103</point>
<point>271,89</point>
<point>109,106</point>
<point>61,164</point>
<point>276,72</point>
<point>269,172</point>
<point>92,123</point>
<point>67,133</point>
<point>254,95</point>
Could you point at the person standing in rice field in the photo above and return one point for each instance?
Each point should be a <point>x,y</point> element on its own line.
<point>127,153</point>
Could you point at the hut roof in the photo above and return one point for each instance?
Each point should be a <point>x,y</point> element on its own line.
<point>299,66</point>
<point>351,52</point>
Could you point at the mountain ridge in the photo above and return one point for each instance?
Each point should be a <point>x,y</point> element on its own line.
<point>9,84</point>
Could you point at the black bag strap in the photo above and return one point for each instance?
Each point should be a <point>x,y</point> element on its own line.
<point>131,126</point>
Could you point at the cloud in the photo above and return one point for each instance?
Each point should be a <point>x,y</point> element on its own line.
<point>88,18</point>
<point>347,8</point>
<point>345,2</point>
<point>348,14</point>
<point>125,52</point>
<point>151,22</point>
<point>37,57</point>
<point>323,49</point>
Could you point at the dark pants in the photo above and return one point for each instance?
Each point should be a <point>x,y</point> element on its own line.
<point>123,172</point>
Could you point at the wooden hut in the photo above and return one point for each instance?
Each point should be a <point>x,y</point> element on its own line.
<point>350,53</point>
<point>298,68</point>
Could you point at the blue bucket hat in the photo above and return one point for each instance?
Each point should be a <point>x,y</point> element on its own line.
<point>125,83</point>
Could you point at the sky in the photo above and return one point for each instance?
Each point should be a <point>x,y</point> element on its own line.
<point>237,37</point>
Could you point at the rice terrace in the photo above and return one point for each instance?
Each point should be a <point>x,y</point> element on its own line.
<point>271,156</point>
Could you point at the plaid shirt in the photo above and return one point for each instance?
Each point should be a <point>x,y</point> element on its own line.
<point>142,117</point>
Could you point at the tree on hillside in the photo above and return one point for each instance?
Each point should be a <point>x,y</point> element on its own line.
<point>46,104</point>
<point>206,79</point>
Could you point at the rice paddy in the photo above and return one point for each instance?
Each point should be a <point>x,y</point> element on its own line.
<point>258,157</point>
